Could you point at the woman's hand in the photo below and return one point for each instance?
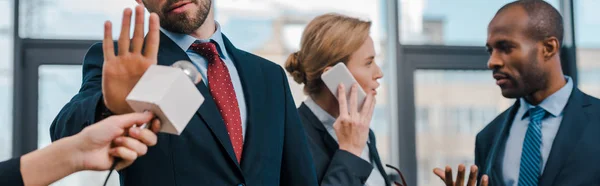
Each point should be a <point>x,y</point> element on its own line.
<point>351,126</point>
<point>98,144</point>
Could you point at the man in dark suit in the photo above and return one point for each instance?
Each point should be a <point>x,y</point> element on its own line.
<point>247,131</point>
<point>549,136</point>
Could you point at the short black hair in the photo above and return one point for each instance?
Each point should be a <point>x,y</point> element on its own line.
<point>544,20</point>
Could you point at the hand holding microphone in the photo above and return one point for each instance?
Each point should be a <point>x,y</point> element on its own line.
<point>94,148</point>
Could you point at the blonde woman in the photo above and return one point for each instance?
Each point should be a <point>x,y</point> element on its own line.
<point>341,143</point>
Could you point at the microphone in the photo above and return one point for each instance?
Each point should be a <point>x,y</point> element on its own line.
<point>170,93</point>
<point>164,91</point>
<point>189,70</point>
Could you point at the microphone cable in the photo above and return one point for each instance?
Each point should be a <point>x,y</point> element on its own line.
<point>117,160</point>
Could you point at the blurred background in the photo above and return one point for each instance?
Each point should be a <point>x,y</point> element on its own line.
<point>435,97</point>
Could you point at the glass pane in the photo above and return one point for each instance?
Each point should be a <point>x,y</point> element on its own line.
<point>587,25</point>
<point>254,26</point>
<point>588,45</point>
<point>452,106</point>
<point>70,19</point>
<point>6,79</point>
<point>57,85</point>
<point>442,22</point>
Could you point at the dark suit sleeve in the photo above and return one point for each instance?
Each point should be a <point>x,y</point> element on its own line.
<point>346,168</point>
<point>479,158</point>
<point>297,164</point>
<point>10,172</point>
<point>85,107</point>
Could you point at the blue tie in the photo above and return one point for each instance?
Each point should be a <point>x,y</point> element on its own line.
<point>531,156</point>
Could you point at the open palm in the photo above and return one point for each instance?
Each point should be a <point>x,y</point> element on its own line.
<point>121,72</point>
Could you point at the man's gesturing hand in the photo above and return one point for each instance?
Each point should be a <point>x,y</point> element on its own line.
<point>446,176</point>
<point>121,72</point>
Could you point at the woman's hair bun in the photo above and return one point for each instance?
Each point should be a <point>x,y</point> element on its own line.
<point>293,66</point>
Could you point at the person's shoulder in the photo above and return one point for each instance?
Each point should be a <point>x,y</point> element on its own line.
<point>594,101</point>
<point>494,127</point>
<point>97,49</point>
<point>263,62</point>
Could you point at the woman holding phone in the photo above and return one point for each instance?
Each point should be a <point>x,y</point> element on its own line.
<point>342,145</point>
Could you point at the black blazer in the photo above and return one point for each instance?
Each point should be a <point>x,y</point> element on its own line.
<point>334,166</point>
<point>275,147</point>
<point>10,172</point>
<point>573,159</point>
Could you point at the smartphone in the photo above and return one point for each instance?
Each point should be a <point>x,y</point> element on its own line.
<point>339,74</point>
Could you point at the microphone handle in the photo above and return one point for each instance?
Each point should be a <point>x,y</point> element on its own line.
<point>117,160</point>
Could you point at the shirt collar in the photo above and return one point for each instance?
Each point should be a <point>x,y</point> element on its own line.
<point>553,104</point>
<point>184,41</point>
<point>321,114</point>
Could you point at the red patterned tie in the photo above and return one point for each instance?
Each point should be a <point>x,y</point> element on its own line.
<point>221,88</point>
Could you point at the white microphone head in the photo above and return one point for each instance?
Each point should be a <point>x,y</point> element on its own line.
<point>189,69</point>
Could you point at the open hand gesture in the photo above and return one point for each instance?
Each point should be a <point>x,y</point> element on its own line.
<point>121,72</point>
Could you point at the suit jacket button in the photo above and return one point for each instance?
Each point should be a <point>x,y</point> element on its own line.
<point>241,184</point>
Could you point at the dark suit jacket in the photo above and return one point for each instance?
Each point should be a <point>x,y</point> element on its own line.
<point>10,172</point>
<point>573,159</point>
<point>275,147</point>
<point>335,166</point>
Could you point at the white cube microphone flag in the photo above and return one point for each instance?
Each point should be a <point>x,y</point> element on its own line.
<point>170,93</point>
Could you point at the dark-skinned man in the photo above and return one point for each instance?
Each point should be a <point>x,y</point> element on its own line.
<point>548,137</point>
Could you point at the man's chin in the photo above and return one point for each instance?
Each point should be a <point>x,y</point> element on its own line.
<point>511,93</point>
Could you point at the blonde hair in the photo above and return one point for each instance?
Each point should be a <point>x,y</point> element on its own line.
<point>327,40</point>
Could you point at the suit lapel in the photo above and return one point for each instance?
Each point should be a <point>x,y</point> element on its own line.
<point>253,85</point>
<point>374,155</point>
<point>573,124</point>
<point>495,158</point>
<point>168,54</point>
<point>330,143</point>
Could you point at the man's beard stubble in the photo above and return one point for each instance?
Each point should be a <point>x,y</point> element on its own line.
<point>534,77</point>
<point>181,23</point>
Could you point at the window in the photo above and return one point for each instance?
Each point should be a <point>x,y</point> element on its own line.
<point>423,119</point>
<point>57,85</point>
<point>442,22</point>
<point>587,27</point>
<point>6,79</point>
<point>467,107</point>
<point>70,19</point>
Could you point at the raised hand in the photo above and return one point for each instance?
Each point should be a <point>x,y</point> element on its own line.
<point>121,72</point>
<point>446,176</point>
<point>352,127</point>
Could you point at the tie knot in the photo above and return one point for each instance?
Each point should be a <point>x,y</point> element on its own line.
<point>207,50</point>
<point>537,113</point>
